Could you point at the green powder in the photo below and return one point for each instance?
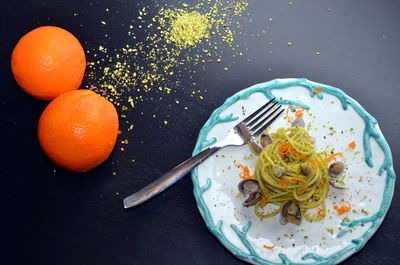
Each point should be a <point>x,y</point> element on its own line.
<point>188,28</point>
<point>164,47</point>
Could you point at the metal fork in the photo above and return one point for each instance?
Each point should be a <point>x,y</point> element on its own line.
<point>243,132</point>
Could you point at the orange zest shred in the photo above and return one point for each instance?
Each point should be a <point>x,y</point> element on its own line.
<point>246,172</point>
<point>342,208</point>
<point>298,113</point>
<point>317,90</point>
<point>286,148</point>
<point>283,184</point>
<point>302,191</point>
<point>352,145</point>
<point>264,200</point>
<point>268,247</point>
<point>290,119</point>
<point>348,204</point>
<point>329,158</point>
<point>287,115</point>
<point>321,212</point>
<point>298,179</point>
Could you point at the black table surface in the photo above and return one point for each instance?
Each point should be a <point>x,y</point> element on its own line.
<point>51,216</point>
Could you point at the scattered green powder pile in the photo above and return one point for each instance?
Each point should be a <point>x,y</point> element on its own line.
<point>164,52</point>
<point>188,28</point>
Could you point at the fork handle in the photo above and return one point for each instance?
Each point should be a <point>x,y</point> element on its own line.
<point>168,178</point>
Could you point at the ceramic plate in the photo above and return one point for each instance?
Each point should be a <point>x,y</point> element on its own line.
<point>335,119</point>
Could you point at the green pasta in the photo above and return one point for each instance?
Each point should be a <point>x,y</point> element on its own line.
<point>303,177</point>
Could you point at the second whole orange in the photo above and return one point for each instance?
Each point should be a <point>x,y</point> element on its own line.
<point>78,130</point>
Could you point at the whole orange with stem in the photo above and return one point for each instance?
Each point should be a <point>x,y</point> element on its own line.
<point>47,62</point>
<point>78,130</point>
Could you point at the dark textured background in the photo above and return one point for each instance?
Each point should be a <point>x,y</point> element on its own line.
<point>63,218</point>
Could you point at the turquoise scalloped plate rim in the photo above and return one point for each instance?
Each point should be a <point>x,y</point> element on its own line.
<point>371,130</point>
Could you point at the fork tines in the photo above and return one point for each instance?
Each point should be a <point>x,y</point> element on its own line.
<point>260,119</point>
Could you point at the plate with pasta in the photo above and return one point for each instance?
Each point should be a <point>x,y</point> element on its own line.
<point>312,189</point>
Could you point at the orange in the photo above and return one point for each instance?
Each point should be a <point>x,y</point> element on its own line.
<point>47,62</point>
<point>78,130</point>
